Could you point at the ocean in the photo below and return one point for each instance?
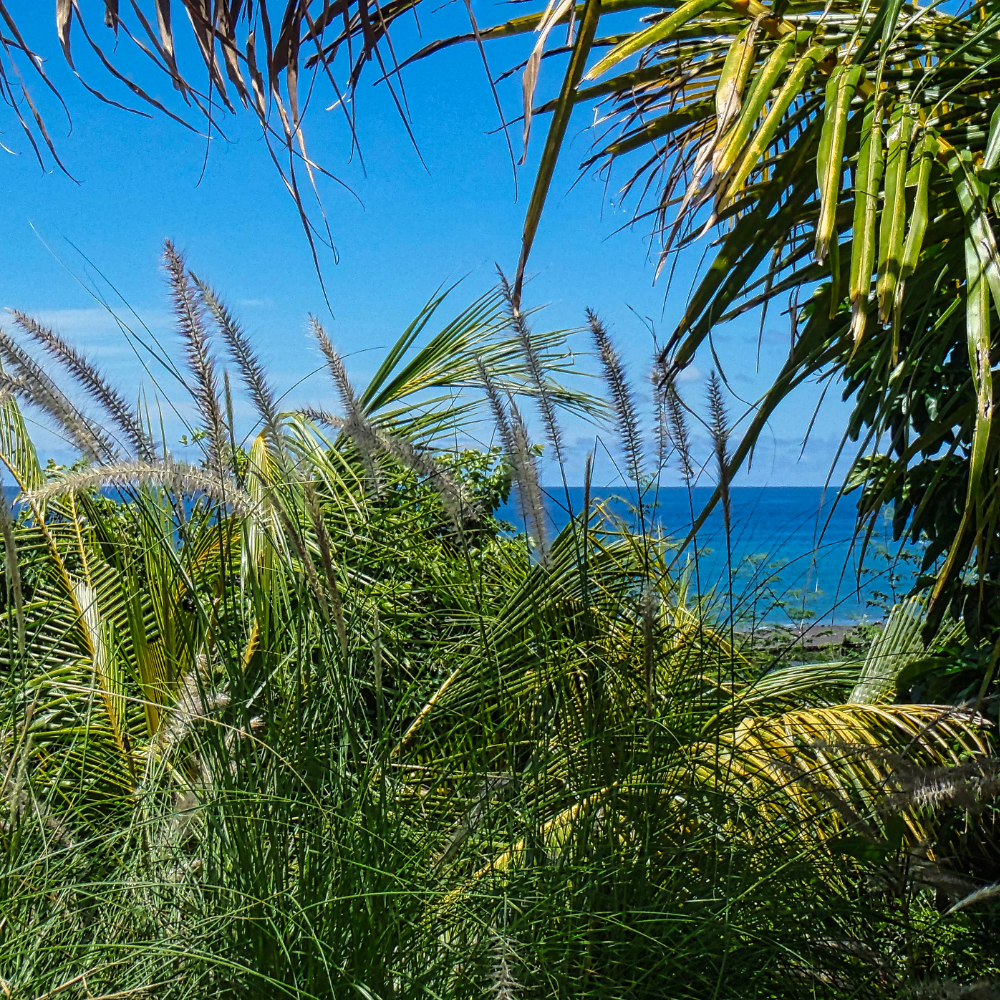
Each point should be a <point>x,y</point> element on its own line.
<point>794,554</point>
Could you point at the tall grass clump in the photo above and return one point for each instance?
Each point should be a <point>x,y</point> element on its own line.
<point>302,718</point>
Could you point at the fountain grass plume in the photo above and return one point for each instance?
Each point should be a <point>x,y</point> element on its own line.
<point>677,429</point>
<point>249,364</point>
<point>517,452</point>
<point>189,312</point>
<point>93,382</point>
<point>626,415</point>
<point>501,420</point>
<point>457,502</point>
<point>356,426</point>
<point>40,390</point>
<point>546,406</point>
<point>525,467</point>
<point>718,424</point>
<point>174,477</point>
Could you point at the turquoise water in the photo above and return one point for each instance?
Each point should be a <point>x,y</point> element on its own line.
<point>794,552</point>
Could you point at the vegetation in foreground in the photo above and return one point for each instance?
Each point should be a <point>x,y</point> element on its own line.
<point>302,720</point>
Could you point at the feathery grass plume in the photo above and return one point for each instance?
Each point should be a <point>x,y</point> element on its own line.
<point>174,476</point>
<point>661,420</point>
<point>191,326</point>
<point>251,369</point>
<point>90,378</point>
<point>979,896</point>
<point>677,429</point>
<point>718,422</point>
<point>39,390</point>
<point>517,452</point>
<point>524,465</point>
<point>194,702</point>
<point>929,873</point>
<point>967,789</point>
<point>536,372</point>
<point>454,496</point>
<point>951,989</point>
<point>10,386</point>
<point>968,785</point>
<point>626,416</point>
<point>497,408</point>
<point>503,984</point>
<point>318,415</point>
<point>13,569</point>
<point>356,426</point>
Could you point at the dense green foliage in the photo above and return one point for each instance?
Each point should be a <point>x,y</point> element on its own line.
<point>304,720</point>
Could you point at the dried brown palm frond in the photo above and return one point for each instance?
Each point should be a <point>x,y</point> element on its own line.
<point>35,386</point>
<point>90,378</point>
<point>191,326</point>
<point>626,415</point>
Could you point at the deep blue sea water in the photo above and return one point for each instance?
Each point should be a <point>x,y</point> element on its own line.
<point>794,551</point>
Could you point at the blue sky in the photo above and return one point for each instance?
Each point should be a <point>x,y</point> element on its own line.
<point>139,181</point>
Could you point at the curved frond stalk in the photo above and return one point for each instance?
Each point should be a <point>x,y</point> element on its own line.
<point>108,681</point>
<point>459,505</point>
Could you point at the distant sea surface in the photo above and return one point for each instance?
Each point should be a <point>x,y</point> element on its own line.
<point>794,551</point>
